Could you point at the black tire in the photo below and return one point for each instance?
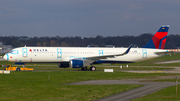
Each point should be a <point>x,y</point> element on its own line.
<point>93,68</point>
<point>84,68</point>
<point>18,69</point>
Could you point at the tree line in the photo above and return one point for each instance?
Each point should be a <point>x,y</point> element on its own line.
<point>173,41</point>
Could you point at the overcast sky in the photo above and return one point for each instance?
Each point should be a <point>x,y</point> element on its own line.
<point>87,18</point>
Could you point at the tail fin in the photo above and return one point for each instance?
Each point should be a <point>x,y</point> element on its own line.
<point>159,39</point>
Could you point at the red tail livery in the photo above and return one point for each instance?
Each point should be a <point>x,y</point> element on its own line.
<point>159,39</point>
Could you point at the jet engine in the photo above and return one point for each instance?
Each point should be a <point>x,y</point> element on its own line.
<point>76,63</point>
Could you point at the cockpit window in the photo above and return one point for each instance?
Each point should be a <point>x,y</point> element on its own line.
<point>13,52</point>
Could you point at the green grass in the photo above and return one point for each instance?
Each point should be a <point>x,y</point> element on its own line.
<point>167,94</point>
<point>61,92</point>
<point>47,86</point>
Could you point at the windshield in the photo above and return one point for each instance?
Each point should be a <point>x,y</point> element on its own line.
<point>13,52</point>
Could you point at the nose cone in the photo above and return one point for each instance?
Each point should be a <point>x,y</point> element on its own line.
<point>5,57</point>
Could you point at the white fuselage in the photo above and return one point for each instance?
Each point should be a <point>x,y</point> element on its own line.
<point>64,54</point>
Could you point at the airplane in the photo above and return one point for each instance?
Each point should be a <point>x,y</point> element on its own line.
<point>81,57</point>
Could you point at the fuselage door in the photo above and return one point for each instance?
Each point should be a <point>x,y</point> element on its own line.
<point>101,53</point>
<point>59,53</point>
<point>24,52</point>
<point>144,53</point>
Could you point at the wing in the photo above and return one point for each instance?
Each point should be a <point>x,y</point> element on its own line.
<point>109,56</point>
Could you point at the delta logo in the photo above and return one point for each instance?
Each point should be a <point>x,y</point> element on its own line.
<point>37,50</point>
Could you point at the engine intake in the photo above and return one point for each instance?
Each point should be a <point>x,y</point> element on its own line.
<point>76,63</point>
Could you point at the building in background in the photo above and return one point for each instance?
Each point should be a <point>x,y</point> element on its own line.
<point>5,48</point>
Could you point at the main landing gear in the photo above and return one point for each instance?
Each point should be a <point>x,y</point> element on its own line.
<point>92,68</point>
<point>84,68</point>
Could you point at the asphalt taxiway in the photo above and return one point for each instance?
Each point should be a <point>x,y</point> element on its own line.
<point>1,59</point>
<point>149,87</point>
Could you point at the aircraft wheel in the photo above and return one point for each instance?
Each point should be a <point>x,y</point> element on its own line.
<point>18,69</point>
<point>93,68</point>
<point>84,68</point>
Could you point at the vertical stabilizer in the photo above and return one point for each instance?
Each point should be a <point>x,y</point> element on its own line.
<point>159,39</point>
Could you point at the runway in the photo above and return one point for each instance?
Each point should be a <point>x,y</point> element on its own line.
<point>1,59</point>
<point>149,87</point>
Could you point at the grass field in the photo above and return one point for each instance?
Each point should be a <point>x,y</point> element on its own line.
<point>41,85</point>
<point>48,85</point>
<point>167,94</point>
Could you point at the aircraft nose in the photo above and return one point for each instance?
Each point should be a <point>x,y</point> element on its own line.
<point>5,57</point>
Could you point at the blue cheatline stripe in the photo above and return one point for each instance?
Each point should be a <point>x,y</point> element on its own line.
<point>161,41</point>
<point>7,57</point>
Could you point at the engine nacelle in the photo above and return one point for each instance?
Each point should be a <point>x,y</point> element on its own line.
<point>63,65</point>
<point>76,63</point>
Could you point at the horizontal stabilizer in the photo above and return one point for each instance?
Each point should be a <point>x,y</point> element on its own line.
<point>166,52</point>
